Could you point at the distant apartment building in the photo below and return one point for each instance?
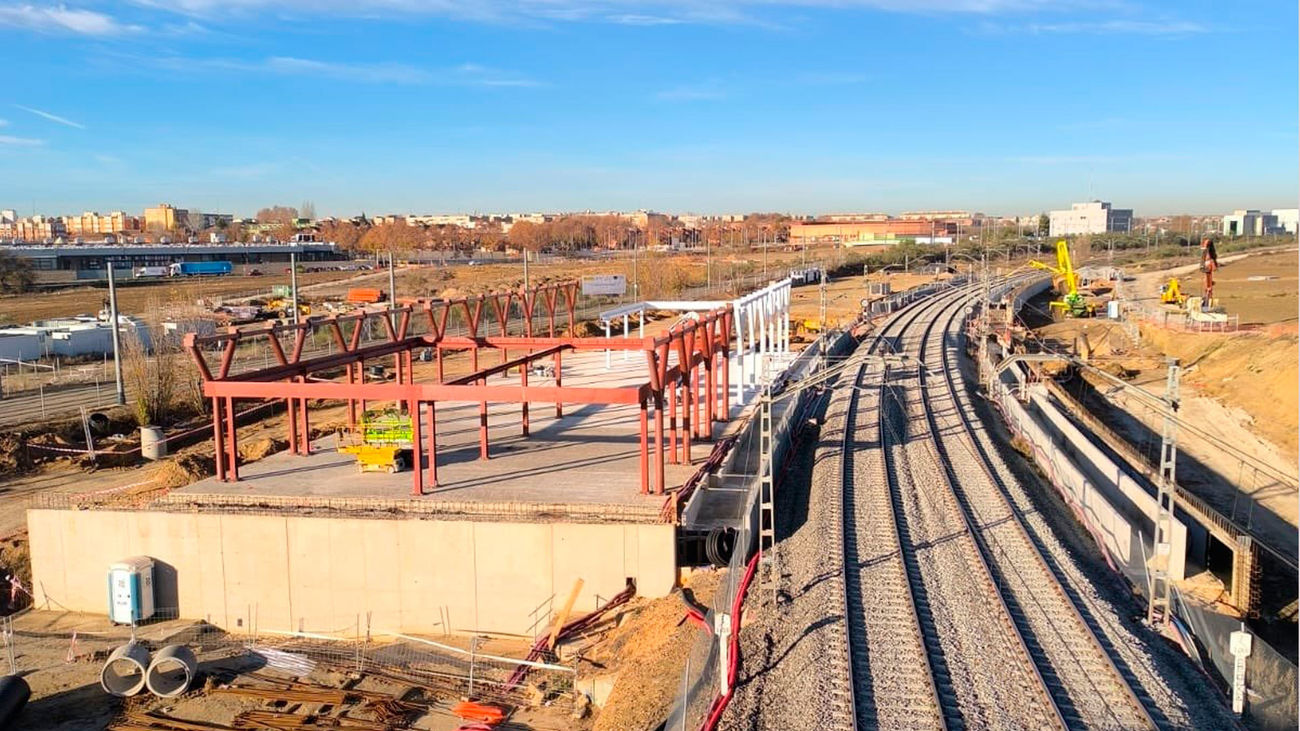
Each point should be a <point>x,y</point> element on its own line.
<point>91,223</point>
<point>1093,217</point>
<point>33,228</point>
<point>1250,222</point>
<point>643,219</point>
<point>452,219</point>
<point>1288,219</point>
<point>165,217</point>
<point>862,232</point>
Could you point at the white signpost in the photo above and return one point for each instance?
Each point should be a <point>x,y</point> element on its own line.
<point>1239,645</point>
<point>604,284</point>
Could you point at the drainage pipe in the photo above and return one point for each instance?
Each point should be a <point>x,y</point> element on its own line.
<point>124,673</point>
<point>171,671</point>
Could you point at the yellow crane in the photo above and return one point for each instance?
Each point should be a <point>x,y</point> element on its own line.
<point>1071,304</point>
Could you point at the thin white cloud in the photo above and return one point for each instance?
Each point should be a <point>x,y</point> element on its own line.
<point>1105,27</point>
<point>468,74</point>
<point>4,123</point>
<point>625,12</point>
<point>692,93</point>
<point>643,19</point>
<point>51,117</point>
<point>20,141</point>
<point>62,19</point>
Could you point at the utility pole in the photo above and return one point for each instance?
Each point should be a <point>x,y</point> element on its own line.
<point>392,290</point>
<point>117,337</point>
<point>525,267</point>
<point>293,284</point>
<point>822,296</point>
<point>708,260</point>
<point>636,267</point>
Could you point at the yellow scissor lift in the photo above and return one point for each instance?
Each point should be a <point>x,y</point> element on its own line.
<point>381,442</point>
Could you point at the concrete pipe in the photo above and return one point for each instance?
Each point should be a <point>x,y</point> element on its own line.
<point>171,671</point>
<point>124,673</point>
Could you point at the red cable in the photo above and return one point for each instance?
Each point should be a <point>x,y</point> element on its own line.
<point>733,666</point>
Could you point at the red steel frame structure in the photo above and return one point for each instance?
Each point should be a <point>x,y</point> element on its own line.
<point>687,374</point>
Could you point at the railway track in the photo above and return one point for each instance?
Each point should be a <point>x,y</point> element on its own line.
<point>1088,684</point>
<point>955,616</point>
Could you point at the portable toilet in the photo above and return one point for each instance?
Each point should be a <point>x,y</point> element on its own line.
<point>130,590</point>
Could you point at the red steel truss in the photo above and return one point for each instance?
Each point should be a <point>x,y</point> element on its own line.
<point>687,373</point>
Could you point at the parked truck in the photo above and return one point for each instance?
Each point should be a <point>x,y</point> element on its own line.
<point>143,272</point>
<point>200,269</point>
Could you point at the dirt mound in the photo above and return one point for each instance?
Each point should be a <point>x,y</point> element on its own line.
<point>649,650</point>
<point>14,458</point>
<point>1253,372</point>
<point>185,469</point>
<point>260,448</point>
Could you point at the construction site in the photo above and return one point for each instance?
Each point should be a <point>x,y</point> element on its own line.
<point>1021,493</point>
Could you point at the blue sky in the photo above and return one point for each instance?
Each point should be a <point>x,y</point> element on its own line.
<point>1004,106</point>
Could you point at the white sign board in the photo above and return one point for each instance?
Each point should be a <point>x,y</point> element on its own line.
<point>604,284</point>
<point>1239,645</point>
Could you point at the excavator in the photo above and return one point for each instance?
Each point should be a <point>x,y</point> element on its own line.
<point>1071,304</point>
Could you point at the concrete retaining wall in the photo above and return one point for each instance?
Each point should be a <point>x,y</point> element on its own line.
<point>319,574</point>
<point>1119,513</point>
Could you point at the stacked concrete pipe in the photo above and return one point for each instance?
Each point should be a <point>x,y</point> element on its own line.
<point>171,671</point>
<point>123,675</point>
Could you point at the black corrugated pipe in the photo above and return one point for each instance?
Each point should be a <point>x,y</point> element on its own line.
<point>14,693</point>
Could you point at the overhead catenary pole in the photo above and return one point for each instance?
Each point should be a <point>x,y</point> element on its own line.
<point>117,337</point>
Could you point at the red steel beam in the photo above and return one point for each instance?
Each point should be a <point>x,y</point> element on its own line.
<point>464,393</point>
<point>502,368</point>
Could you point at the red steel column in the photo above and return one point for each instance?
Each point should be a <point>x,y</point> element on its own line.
<point>291,409</point>
<point>659,443</point>
<point>645,451</point>
<point>232,446</point>
<point>219,442</point>
<point>687,426</point>
<point>559,363</point>
<point>482,425</point>
<point>306,425</point>
<point>672,424</point>
<point>711,401</point>
<point>438,348</point>
<point>523,408</point>
<point>361,378</point>
<point>433,448</point>
<point>417,469</point>
<point>352,403</point>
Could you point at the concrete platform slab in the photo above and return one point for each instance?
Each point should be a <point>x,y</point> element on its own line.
<point>586,462</point>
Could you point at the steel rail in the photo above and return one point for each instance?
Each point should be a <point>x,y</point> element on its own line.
<point>961,408</point>
<point>984,573</point>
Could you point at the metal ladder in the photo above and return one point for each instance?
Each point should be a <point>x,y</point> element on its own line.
<point>1158,609</point>
<point>769,571</point>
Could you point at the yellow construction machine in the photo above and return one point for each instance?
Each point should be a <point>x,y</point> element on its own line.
<point>1172,294</point>
<point>1066,282</point>
<point>381,442</point>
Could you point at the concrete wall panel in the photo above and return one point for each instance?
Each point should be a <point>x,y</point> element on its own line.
<point>521,557</point>
<point>326,574</point>
<point>313,573</point>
